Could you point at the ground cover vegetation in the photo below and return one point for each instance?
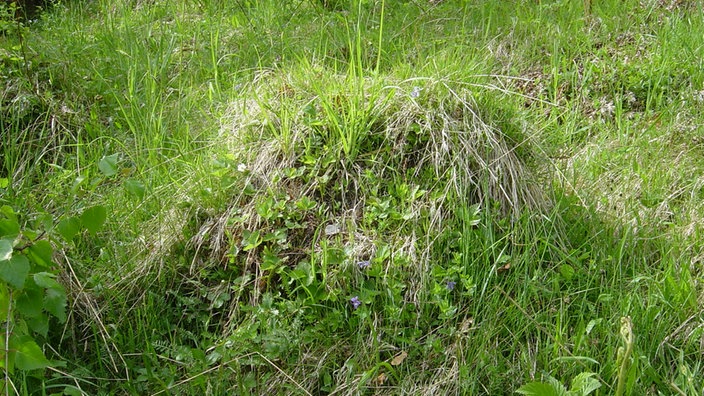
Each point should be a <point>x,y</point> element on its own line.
<point>352,197</point>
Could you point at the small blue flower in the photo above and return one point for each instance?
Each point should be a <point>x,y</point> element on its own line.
<point>355,302</point>
<point>364,264</point>
<point>451,285</point>
<point>416,92</point>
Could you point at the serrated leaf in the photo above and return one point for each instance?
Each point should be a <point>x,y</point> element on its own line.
<point>55,303</point>
<point>47,280</point>
<point>558,386</point>
<point>15,270</point>
<point>41,252</point>
<point>39,324</point>
<point>135,187</point>
<point>93,218</point>
<point>28,355</point>
<point>540,389</point>
<point>68,228</point>
<point>108,165</point>
<point>29,303</point>
<point>5,249</point>
<point>583,384</point>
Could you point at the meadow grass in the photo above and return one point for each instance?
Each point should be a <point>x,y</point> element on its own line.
<point>363,197</point>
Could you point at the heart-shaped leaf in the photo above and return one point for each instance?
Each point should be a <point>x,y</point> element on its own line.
<point>55,303</point>
<point>9,228</point>
<point>93,218</point>
<point>68,228</point>
<point>15,270</point>
<point>28,355</point>
<point>41,252</point>
<point>108,165</point>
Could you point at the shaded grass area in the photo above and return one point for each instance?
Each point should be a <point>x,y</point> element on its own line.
<point>363,198</point>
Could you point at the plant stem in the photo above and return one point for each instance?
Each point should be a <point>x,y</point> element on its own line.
<point>7,343</point>
<point>627,335</point>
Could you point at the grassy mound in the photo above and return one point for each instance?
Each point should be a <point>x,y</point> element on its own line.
<point>363,197</point>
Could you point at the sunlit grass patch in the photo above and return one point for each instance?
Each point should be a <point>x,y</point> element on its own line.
<point>362,197</point>
<point>313,195</point>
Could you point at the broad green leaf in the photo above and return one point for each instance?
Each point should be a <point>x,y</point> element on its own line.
<point>540,389</point>
<point>40,324</point>
<point>41,252</point>
<point>68,228</point>
<point>47,280</point>
<point>135,187</point>
<point>108,165</point>
<point>30,235</point>
<point>583,384</point>
<point>9,228</point>
<point>5,249</point>
<point>4,182</point>
<point>15,270</point>
<point>93,218</point>
<point>28,355</point>
<point>8,212</point>
<point>29,303</point>
<point>55,303</point>
<point>558,386</point>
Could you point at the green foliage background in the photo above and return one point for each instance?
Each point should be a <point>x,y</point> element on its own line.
<point>352,197</point>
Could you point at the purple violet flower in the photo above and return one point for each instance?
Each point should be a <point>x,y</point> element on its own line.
<point>355,302</point>
<point>363,264</point>
<point>451,285</point>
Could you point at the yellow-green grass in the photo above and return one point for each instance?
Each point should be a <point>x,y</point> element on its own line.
<point>367,197</point>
